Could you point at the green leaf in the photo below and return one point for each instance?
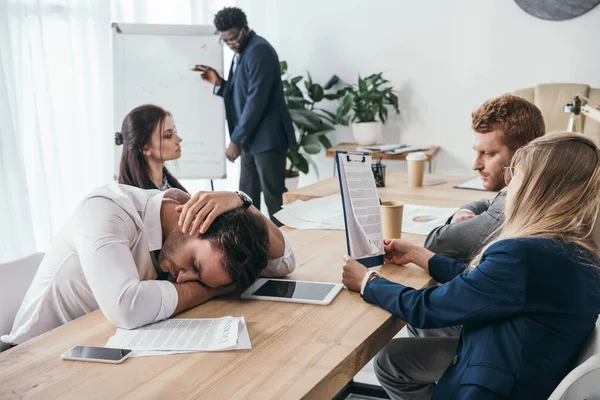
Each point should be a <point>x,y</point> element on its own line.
<point>316,93</point>
<point>296,105</point>
<point>383,114</point>
<point>345,106</point>
<point>311,144</point>
<point>324,129</point>
<point>329,116</point>
<point>306,120</point>
<point>371,80</point>
<point>283,67</point>
<point>290,90</point>
<point>296,80</point>
<point>302,164</point>
<point>313,164</point>
<point>297,96</point>
<point>394,101</point>
<point>331,96</point>
<point>362,85</point>
<point>344,90</point>
<point>373,97</point>
<point>334,80</point>
<point>325,141</point>
<point>293,155</point>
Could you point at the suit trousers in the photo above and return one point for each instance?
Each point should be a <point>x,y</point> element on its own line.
<point>408,368</point>
<point>264,172</point>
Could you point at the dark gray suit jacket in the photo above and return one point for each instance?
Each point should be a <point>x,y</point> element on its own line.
<point>461,241</point>
<point>257,116</point>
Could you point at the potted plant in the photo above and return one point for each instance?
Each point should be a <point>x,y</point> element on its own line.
<point>312,123</point>
<point>367,103</point>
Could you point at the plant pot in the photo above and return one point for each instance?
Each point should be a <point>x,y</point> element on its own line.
<point>292,179</point>
<point>367,133</point>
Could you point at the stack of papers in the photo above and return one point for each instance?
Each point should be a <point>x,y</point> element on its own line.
<point>391,148</point>
<point>326,213</point>
<point>407,149</point>
<point>380,147</point>
<point>183,335</point>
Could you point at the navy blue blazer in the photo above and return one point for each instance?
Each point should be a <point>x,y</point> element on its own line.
<point>526,310</point>
<point>257,115</point>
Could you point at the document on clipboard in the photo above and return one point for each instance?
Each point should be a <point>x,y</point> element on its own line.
<point>360,202</point>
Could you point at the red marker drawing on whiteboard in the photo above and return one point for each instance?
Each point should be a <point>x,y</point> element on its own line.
<point>203,47</point>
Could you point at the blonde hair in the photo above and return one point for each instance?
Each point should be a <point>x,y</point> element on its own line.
<point>559,193</point>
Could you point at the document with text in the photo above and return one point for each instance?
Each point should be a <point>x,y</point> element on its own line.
<point>360,202</point>
<point>183,335</point>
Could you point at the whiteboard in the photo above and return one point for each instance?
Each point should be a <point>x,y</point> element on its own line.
<point>151,64</point>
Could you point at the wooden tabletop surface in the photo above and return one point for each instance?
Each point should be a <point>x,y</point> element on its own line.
<point>397,188</point>
<point>299,350</point>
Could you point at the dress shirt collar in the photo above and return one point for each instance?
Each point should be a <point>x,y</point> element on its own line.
<point>151,215</point>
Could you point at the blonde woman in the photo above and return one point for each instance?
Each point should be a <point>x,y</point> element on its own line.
<point>527,302</point>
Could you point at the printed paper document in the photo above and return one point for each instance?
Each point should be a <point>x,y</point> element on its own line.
<point>420,220</point>
<point>361,206</point>
<point>183,335</point>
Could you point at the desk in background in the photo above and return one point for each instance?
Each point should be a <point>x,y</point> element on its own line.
<point>433,150</point>
<point>299,350</point>
<point>397,189</point>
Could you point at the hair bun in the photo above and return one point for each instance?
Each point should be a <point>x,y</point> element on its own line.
<point>118,138</point>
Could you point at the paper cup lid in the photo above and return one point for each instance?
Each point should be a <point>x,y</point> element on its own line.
<point>416,156</point>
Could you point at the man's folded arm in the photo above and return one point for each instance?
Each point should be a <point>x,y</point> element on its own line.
<point>103,245</point>
<point>462,240</point>
<point>477,207</point>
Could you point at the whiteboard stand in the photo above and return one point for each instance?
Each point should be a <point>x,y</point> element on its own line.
<point>151,65</point>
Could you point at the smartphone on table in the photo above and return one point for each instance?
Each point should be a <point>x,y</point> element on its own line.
<point>96,354</point>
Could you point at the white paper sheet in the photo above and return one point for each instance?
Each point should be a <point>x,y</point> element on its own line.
<point>288,219</point>
<point>420,220</point>
<point>321,213</point>
<point>473,184</point>
<point>183,335</point>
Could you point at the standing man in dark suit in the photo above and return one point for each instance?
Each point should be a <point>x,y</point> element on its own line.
<point>259,122</point>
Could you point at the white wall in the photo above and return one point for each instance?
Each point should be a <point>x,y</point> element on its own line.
<point>444,57</point>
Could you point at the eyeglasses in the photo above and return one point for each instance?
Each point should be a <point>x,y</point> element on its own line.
<point>232,41</point>
<point>509,173</point>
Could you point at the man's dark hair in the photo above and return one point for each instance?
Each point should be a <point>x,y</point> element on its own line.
<point>230,17</point>
<point>243,239</point>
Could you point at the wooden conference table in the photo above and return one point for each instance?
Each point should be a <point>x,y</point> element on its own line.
<point>299,350</point>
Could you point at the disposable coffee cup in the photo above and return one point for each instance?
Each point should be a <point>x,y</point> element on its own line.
<point>391,218</point>
<point>416,168</point>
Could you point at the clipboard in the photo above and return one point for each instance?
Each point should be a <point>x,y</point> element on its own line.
<point>364,236</point>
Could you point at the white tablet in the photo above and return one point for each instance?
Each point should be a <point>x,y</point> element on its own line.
<point>292,291</point>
